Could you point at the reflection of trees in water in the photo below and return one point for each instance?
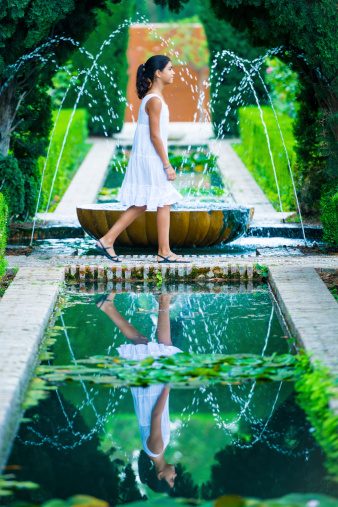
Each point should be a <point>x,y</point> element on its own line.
<point>272,467</point>
<point>276,466</point>
<point>68,469</point>
<point>184,484</point>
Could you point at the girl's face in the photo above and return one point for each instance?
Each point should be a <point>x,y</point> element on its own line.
<point>167,74</point>
<point>169,474</point>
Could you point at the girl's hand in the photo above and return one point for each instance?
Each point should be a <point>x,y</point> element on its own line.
<point>171,174</point>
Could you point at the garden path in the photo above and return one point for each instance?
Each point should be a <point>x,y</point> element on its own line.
<point>242,184</point>
<point>90,176</point>
<point>86,184</point>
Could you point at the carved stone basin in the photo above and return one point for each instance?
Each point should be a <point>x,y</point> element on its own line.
<point>191,224</point>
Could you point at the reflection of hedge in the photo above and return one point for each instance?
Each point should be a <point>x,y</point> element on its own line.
<point>329,204</point>
<point>74,151</point>
<point>108,90</point>
<point>220,36</point>
<point>255,154</point>
<point>3,225</point>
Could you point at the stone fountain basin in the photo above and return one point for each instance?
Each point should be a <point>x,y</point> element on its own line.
<point>192,224</point>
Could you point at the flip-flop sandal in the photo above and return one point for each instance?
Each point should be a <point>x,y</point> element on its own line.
<point>114,258</point>
<point>102,299</point>
<point>166,260</point>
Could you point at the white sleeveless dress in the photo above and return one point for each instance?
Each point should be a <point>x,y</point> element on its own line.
<point>145,181</point>
<point>146,398</point>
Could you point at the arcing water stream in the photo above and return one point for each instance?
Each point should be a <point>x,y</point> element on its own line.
<point>93,71</point>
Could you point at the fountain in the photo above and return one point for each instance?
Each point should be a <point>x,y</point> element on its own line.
<point>195,223</point>
<point>191,224</point>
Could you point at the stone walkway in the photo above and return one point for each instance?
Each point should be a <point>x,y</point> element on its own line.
<point>37,259</point>
<point>24,312</point>
<point>310,311</point>
<point>86,183</point>
<point>243,186</point>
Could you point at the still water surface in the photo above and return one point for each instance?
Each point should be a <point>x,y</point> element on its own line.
<point>250,439</point>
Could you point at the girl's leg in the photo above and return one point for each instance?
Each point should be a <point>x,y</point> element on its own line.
<point>163,226</point>
<point>125,327</point>
<point>122,223</point>
<point>163,324</point>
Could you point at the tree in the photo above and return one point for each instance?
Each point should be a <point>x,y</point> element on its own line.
<point>222,36</point>
<point>104,98</point>
<point>305,32</point>
<point>33,28</point>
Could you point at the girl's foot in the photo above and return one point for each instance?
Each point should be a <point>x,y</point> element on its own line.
<point>107,250</point>
<point>170,257</point>
<point>106,298</point>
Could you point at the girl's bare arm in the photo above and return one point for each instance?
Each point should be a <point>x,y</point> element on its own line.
<point>153,109</point>
<point>155,441</point>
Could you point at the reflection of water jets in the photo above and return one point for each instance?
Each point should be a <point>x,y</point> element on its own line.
<point>89,400</point>
<point>215,406</point>
<point>258,438</point>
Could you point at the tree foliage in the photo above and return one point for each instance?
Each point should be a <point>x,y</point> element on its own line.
<point>25,106</point>
<point>104,93</point>
<point>306,33</point>
<point>222,36</point>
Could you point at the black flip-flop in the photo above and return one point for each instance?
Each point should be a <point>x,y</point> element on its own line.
<point>114,258</point>
<point>101,300</point>
<point>166,260</point>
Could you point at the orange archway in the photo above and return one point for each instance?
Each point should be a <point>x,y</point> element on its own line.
<point>182,97</point>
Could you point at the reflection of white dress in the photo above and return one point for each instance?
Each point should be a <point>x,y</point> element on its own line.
<point>145,181</point>
<point>146,398</point>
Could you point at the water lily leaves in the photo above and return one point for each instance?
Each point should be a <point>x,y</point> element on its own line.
<point>182,369</point>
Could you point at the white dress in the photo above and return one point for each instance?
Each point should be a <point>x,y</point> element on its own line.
<point>145,181</point>
<point>146,398</point>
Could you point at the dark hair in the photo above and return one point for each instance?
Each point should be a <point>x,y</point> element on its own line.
<point>146,71</point>
<point>148,475</point>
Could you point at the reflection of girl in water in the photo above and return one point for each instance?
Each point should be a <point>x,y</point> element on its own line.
<point>151,403</point>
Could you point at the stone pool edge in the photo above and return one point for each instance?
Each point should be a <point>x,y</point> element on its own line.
<point>155,272</point>
<point>25,310</point>
<point>311,314</point>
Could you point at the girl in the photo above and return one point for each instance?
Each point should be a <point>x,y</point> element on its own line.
<point>146,184</point>
<point>151,403</point>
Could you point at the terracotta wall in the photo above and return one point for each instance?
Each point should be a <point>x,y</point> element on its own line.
<point>179,96</point>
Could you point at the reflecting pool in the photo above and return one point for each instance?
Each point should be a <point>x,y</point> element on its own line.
<point>126,444</point>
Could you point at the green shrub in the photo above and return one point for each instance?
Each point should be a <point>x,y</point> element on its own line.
<point>329,204</point>
<point>255,154</point>
<point>3,234</point>
<point>74,152</point>
<point>315,388</point>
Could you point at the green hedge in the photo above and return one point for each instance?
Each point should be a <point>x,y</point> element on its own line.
<point>3,234</point>
<point>255,155</point>
<point>329,204</point>
<point>74,152</point>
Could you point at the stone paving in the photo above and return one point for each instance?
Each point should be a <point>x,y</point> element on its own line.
<point>38,259</point>
<point>24,312</point>
<point>86,183</point>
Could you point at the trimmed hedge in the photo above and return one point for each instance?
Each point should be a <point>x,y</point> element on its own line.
<point>329,205</point>
<point>255,154</point>
<point>3,234</point>
<point>74,152</point>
